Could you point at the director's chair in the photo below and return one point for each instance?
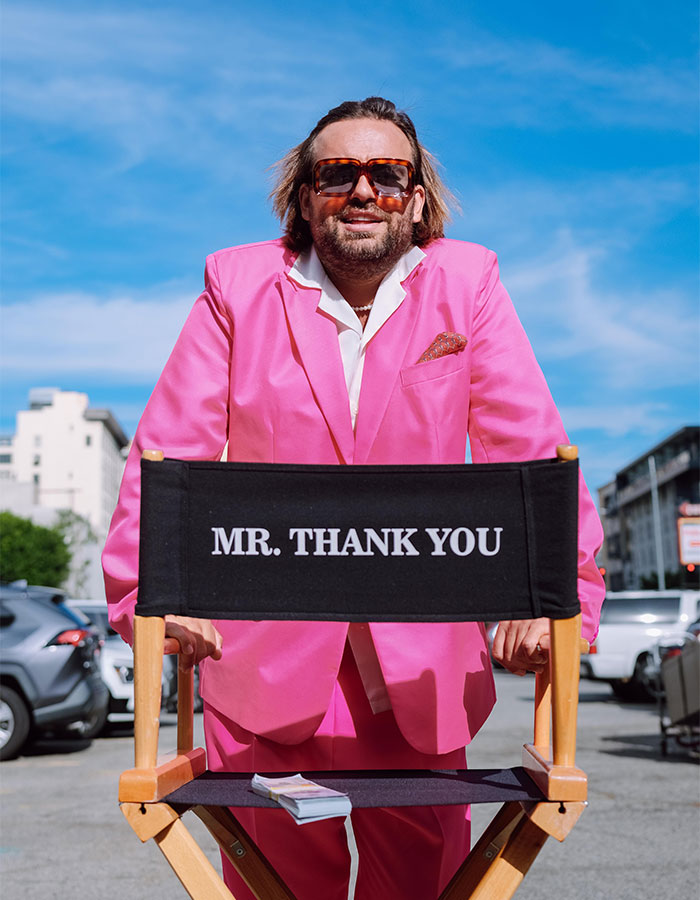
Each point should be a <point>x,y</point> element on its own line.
<point>533,574</point>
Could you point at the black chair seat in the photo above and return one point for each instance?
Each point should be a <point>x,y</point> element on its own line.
<point>371,788</point>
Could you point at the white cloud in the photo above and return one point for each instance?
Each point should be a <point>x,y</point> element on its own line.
<point>618,206</point>
<point>537,84</point>
<point>158,85</point>
<point>162,81</point>
<point>619,420</point>
<point>126,339</point>
<point>625,339</point>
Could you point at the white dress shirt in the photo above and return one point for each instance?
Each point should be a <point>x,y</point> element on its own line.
<point>308,271</point>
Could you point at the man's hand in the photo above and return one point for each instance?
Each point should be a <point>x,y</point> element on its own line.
<point>522,645</point>
<point>195,639</point>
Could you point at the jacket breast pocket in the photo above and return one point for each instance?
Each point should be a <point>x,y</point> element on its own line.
<point>433,368</point>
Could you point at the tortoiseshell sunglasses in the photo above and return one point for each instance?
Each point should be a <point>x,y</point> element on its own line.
<point>387,177</point>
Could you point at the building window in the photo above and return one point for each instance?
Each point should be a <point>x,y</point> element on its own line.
<point>37,459</point>
<point>5,457</point>
<point>37,440</point>
<point>88,440</point>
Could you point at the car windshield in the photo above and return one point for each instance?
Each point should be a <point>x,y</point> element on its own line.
<point>641,610</point>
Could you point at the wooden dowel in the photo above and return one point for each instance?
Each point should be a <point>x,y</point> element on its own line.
<point>153,455</point>
<point>185,709</point>
<point>149,632</point>
<point>567,452</point>
<point>564,669</point>
<point>565,662</point>
<point>543,708</point>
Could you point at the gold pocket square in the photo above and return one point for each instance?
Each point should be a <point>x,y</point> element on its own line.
<point>445,343</point>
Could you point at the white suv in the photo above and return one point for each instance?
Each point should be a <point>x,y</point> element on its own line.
<point>632,622</point>
<point>116,660</point>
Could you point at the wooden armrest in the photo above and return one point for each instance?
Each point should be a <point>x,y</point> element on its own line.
<point>152,784</point>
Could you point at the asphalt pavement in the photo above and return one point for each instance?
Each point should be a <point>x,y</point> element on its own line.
<point>62,836</point>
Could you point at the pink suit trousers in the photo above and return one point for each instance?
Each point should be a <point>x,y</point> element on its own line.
<point>405,853</point>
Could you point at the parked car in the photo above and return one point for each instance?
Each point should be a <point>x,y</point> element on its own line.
<point>632,623</point>
<point>665,648</point>
<point>116,660</point>
<point>117,665</point>
<point>49,672</point>
<point>50,596</point>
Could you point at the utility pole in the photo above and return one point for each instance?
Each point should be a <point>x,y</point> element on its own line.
<point>657,523</point>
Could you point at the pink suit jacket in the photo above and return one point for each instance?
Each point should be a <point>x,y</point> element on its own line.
<point>258,365</point>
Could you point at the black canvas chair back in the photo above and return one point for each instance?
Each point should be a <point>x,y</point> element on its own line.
<point>425,543</point>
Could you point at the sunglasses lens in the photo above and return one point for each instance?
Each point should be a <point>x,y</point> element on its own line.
<point>390,179</point>
<point>336,178</point>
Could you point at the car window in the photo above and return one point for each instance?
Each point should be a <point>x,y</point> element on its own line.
<point>99,618</point>
<point>75,615</point>
<point>641,610</point>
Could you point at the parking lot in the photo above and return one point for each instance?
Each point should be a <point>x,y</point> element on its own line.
<point>62,836</point>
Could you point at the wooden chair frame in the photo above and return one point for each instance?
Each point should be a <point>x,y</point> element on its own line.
<point>493,869</point>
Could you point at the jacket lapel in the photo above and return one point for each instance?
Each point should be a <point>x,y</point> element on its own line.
<point>316,338</point>
<point>385,356</point>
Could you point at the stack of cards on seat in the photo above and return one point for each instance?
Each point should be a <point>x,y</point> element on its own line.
<point>304,800</point>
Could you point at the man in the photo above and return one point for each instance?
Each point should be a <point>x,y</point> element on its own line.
<point>321,347</point>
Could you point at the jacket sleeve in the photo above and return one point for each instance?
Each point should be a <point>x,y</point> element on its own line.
<point>513,417</point>
<point>187,418</point>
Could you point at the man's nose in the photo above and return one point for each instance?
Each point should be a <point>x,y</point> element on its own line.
<point>363,189</point>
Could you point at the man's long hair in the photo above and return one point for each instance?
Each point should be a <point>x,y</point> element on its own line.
<point>296,168</point>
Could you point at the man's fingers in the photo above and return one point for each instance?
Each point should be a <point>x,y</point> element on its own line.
<point>523,645</point>
<point>497,646</point>
<point>171,645</point>
<point>195,639</point>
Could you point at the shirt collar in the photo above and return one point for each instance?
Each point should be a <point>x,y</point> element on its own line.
<point>308,271</point>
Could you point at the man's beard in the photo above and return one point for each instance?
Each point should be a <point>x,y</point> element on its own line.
<point>363,254</point>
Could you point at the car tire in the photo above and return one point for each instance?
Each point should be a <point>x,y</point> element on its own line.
<point>15,723</point>
<point>624,690</point>
<point>647,688</point>
<point>91,727</point>
<point>638,688</point>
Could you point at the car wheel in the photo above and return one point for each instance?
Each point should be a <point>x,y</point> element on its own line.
<point>623,689</point>
<point>644,681</point>
<point>639,687</point>
<point>91,727</point>
<point>14,723</point>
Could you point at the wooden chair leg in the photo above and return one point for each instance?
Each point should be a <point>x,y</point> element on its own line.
<point>197,875</point>
<point>245,856</point>
<point>149,632</point>
<point>500,859</point>
<point>508,870</point>
<point>487,849</point>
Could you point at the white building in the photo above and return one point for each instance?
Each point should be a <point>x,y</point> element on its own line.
<point>64,455</point>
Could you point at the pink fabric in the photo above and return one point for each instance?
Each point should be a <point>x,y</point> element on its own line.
<point>404,853</point>
<point>259,365</point>
<point>362,646</point>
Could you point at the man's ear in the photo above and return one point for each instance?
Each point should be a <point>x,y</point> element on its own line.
<point>304,204</point>
<point>418,202</point>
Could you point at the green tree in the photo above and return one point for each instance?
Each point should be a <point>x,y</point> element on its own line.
<point>31,551</point>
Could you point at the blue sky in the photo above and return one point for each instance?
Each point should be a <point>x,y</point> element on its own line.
<point>137,139</point>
